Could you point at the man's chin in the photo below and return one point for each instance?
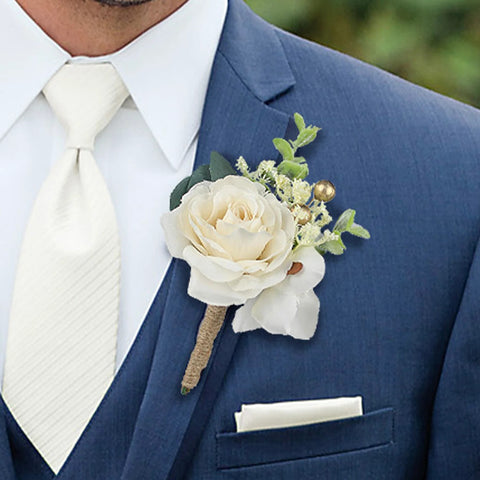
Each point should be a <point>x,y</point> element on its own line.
<point>122,3</point>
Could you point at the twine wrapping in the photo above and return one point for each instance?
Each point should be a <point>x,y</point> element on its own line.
<point>207,333</point>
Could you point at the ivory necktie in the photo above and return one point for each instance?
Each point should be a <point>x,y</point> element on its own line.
<point>61,346</point>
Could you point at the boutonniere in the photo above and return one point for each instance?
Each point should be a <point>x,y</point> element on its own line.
<point>255,239</point>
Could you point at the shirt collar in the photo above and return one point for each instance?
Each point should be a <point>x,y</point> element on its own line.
<point>166,69</point>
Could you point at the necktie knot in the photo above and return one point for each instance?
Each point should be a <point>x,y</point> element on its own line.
<point>85,97</point>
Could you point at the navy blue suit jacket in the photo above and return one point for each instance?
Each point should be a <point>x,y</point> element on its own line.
<point>399,320</point>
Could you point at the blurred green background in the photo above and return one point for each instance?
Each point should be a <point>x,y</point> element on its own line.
<point>435,43</point>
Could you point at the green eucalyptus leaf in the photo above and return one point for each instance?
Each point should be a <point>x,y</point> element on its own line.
<point>220,167</point>
<point>359,231</point>
<point>199,175</point>
<point>284,148</point>
<point>293,169</point>
<point>335,247</point>
<point>307,136</point>
<point>345,221</point>
<point>300,159</point>
<point>299,122</point>
<point>340,241</point>
<point>178,192</point>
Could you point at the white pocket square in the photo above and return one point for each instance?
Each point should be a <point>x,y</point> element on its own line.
<point>263,416</point>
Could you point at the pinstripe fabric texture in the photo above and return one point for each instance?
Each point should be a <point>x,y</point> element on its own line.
<point>63,323</point>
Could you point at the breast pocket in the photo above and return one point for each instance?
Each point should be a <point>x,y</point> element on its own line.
<point>263,447</point>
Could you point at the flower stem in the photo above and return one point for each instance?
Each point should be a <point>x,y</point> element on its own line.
<point>207,333</point>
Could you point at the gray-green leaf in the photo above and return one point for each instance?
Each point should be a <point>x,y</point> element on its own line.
<point>284,148</point>
<point>293,169</point>
<point>335,247</point>
<point>306,136</point>
<point>199,175</point>
<point>220,167</point>
<point>345,221</point>
<point>299,122</point>
<point>178,192</point>
<point>359,231</point>
<point>300,159</point>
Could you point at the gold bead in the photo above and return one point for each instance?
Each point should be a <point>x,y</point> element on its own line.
<point>324,191</point>
<point>304,215</point>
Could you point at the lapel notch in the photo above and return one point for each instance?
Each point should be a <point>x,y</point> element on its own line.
<point>253,50</point>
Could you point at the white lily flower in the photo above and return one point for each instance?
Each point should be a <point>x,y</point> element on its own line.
<point>289,308</point>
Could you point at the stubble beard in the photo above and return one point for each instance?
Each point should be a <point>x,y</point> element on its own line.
<point>123,3</point>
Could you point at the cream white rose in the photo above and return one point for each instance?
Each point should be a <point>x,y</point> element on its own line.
<point>236,237</point>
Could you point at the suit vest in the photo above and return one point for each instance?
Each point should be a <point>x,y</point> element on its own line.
<point>102,449</point>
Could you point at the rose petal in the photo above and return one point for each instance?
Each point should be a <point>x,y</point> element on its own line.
<point>244,245</point>
<point>217,269</point>
<point>270,219</point>
<point>207,239</point>
<point>262,281</point>
<point>208,246</point>
<point>212,293</point>
<point>200,207</point>
<point>225,228</point>
<point>174,238</point>
<point>279,244</point>
<point>288,222</point>
<point>253,266</point>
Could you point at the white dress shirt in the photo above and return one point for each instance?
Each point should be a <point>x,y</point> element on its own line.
<point>145,151</point>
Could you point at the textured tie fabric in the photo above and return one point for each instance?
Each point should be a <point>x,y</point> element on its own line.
<point>62,335</point>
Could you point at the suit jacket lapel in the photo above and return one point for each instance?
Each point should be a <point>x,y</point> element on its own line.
<point>236,121</point>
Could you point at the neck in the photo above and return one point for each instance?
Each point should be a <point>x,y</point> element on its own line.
<point>87,27</point>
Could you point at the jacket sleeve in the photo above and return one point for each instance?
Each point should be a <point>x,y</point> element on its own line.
<point>454,451</point>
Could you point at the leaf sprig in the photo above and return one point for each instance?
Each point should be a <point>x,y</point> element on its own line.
<point>345,224</point>
<point>287,182</point>
<point>293,166</point>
